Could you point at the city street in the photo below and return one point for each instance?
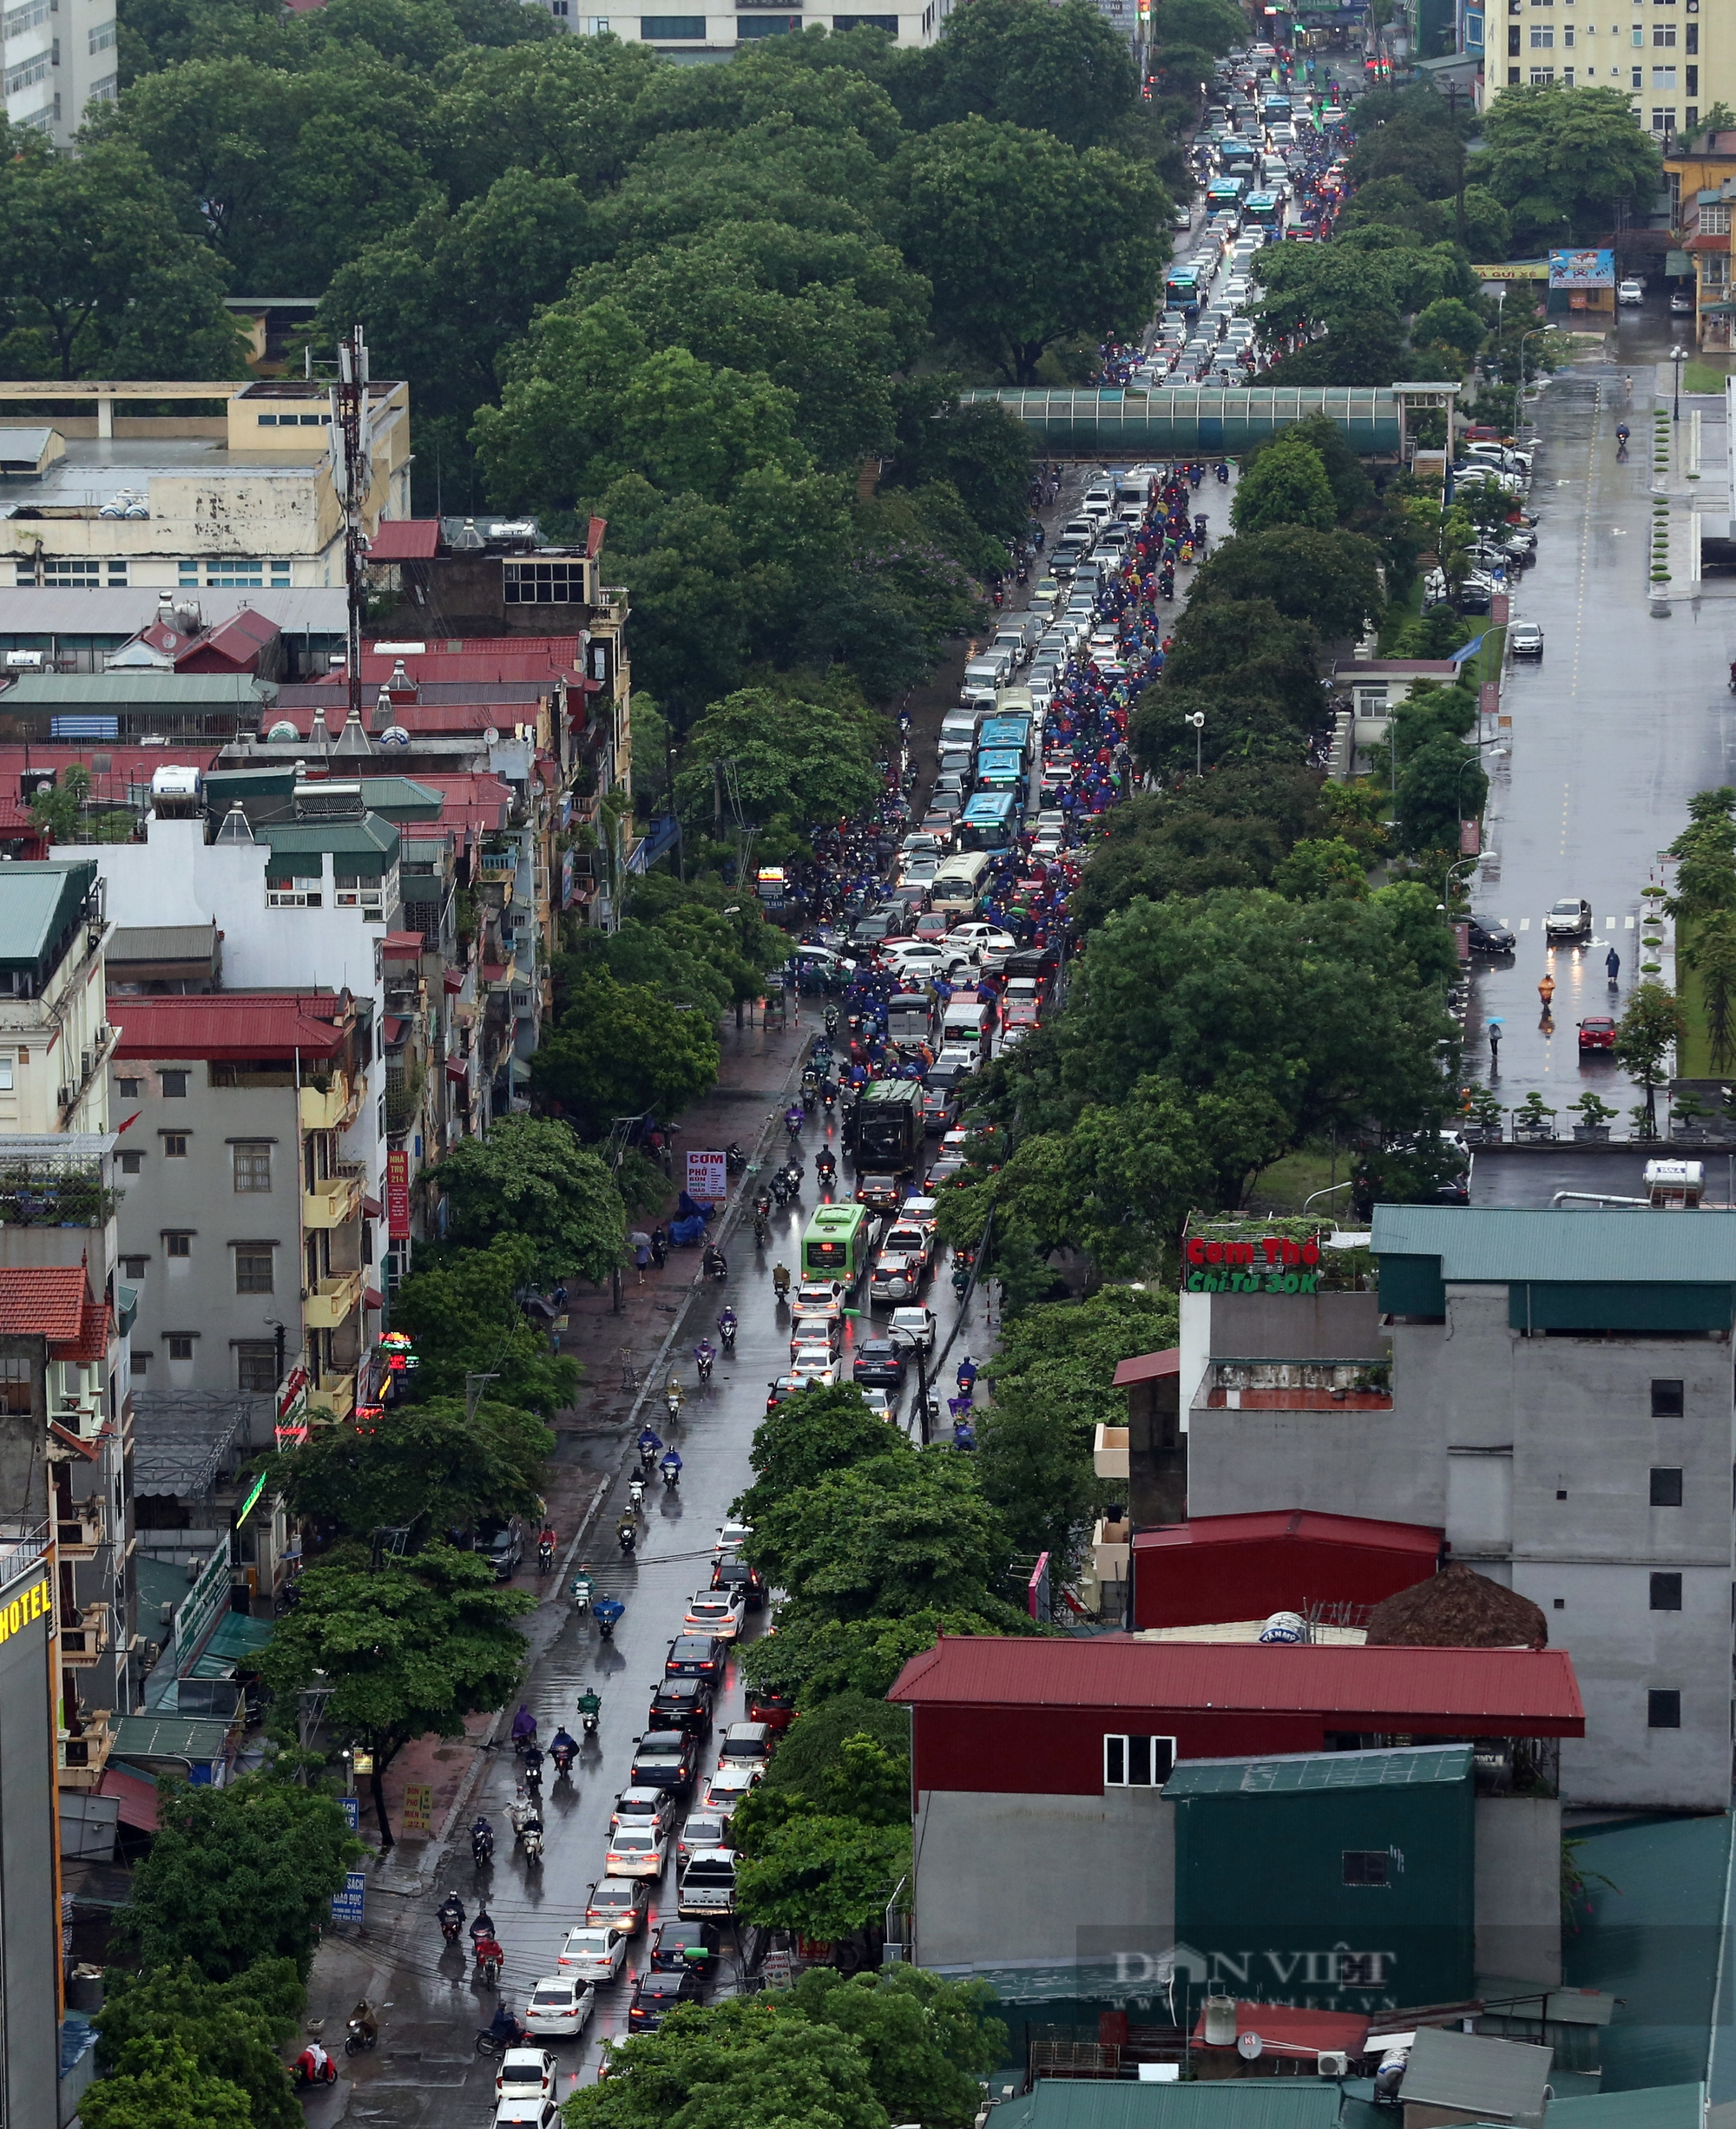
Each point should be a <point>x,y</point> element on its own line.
<point>1624,719</point>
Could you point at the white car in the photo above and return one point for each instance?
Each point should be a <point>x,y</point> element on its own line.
<point>979,939</point>
<point>1630,292</point>
<point>914,1327</point>
<point>526,2070</point>
<point>816,1363</point>
<point>729,1785</point>
<point>560,2005</point>
<point>592,1954</point>
<point>875,1399</point>
<point>637,1852</point>
<point>529,2112</point>
<point>732,1536</point>
<point>716,1611</point>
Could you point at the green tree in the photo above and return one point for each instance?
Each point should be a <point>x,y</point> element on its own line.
<point>1440,783</point>
<point>530,1177</point>
<point>1329,578</point>
<point>1352,490</point>
<point>1448,320</point>
<point>1318,868</point>
<point>803,1437</point>
<point>159,2085</point>
<point>800,761</point>
<point>234,2030</point>
<point>620,1050</point>
<point>1649,1029</point>
<point>928,2041</point>
<point>814,1658</point>
<point>1213,25</point>
<point>463,1312</point>
<point>1286,485</point>
<point>1059,70</point>
<point>95,277</point>
<point>1027,241</point>
<point>408,1649</point>
<point>824,1876</point>
<point>55,808</point>
<point>1710,950</point>
<point>236,1874</point>
<point>427,1466</point>
<point>1562,160</point>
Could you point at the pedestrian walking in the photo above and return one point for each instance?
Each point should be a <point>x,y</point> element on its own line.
<point>1612,965</point>
<point>1546,991</point>
<point>1494,1048</point>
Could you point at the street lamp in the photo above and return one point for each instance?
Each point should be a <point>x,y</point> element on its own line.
<point>1197,718</point>
<point>1447,887</point>
<point>1678,356</point>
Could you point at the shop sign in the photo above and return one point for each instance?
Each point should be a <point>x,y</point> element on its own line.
<point>24,1610</point>
<point>351,1904</point>
<point>397,1195</point>
<point>708,1178</point>
<point>418,1815</point>
<point>292,1410</point>
<point>1273,1265</point>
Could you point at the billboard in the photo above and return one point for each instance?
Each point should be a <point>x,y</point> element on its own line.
<point>1581,270</point>
<point>708,1178</point>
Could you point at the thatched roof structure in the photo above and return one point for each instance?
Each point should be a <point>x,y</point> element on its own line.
<point>1457,1608</point>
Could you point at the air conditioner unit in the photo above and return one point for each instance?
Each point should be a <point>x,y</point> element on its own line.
<point>86,1059</point>
<point>1333,2063</point>
<point>67,1096</point>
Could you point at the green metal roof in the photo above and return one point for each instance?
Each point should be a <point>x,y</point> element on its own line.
<point>1234,2103</point>
<point>62,692</point>
<point>1293,1774</point>
<point>39,904</point>
<point>401,798</point>
<point>371,837</point>
<point>1490,1246</point>
<point>1656,2106</point>
<point>238,1636</point>
<point>197,1738</point>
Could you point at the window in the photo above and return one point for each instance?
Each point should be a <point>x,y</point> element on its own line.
<point>243,575</point>
<point>1542,76</point>
<point>179,1347</point>
<point>15,1386</point>
<point>177,1244</point>
<point>175,1086</point>
<point>6,1087</point>
<point>767,26</point>
<point>888,23</point>
<point>1691,84</point>
<point>16,20</point>
<point>1714,222</point>
<point>1666,1593</point>
<point>132,1164</point>
<point>130,1089</point>
<point>1667,1400</point>
<point>253,1268</point>
<point>1542,39</point>
<point>256,1366</point>
<point>102,40</point>
<point>1667,1486</point>
<point>1366,1866</point>
<point>1137,1762</point>
<point>1663,1710</point>
<point>1663,77</point>
<point>1513,72</point>
<point>1664,35</point>
<point>563,583</point>
<point>1663,121</point>
<point>1639,35</point>
<point>134,1267</point>
<point>142,1363</point>
<point>1513,49</point>
<point>174,1145</point>
<point>27,72</point>
<point>651,27</point>
<point>253,1168</point>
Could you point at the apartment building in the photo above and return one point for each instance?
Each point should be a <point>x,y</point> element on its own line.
<point>59,58</point>
<point>1673,59</point>
<point>242,498</point>
<point>245,1228</point>
<point>707,39</point>
<point>1551,1389</point>
<point>54,1032</point>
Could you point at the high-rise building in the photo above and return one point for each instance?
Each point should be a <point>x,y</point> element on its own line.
<point>59,56</point>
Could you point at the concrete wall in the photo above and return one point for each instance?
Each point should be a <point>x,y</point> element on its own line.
<point>1536,1454</point>
<point>1017,1878</point>
<point>1518,1888</point>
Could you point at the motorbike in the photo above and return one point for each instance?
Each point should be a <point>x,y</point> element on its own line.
<point>311,2069</point>
<point>626,1536</point>
<point>581,1590</point>
<point>482,1843</point>
<point>450,1927</point>
<point>361,2034</point>
<point>674,1398</point>
<point>1223,469</point>
<point>734,1159</point>
<point>705,1358</point>
<point>545,1555</point>
<point>489,1960</point>
<point>590,1707</point>
<point>780,1283</point>
<point>793,1120</point>
<point>636,1492</point>
<point>671,1469</point>
<point>1733,678</point>
<point>648,1446</point>
<point>532,1841</point>
<point>726,1330</point>
<point>533,1770</point>
<point>716,1265</point>
<point>608,1611</point>
<point>564,1756</point>
<point>779,1188</point>
<point>762,1229</point>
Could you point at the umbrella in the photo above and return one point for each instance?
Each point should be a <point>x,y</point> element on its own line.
<point>638,1239</point>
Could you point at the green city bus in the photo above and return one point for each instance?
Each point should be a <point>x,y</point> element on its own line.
<point>835,1244</point>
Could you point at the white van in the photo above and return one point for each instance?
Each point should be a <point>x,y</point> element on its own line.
<point>967,1024</point>
<point>958,728</point>
<point>991,668</point>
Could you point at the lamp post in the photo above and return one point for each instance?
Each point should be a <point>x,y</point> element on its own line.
<point>1197,718</point>
<point>1447,885</point>
<point>1678,356</point>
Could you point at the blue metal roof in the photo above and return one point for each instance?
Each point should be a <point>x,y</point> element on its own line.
<point>1294,1773</point>
<point>1498,1245</point>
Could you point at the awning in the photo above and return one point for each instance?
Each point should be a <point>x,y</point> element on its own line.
<point>373,1298</point>
<point>394,1029</point>
<point>1718,310</point>
<point>371,1207</point>
<point>453,980</point>
<point>457,1071</point>
<point>397,943</point>
<point>238,1636</point>
<point>134,1793</point>
<point>1678,262</point>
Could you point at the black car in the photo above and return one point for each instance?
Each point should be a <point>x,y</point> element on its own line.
<point>676,1946</point>
<point>879,1364</point>
<point>502,1549</point>
<point>695,1655</point>
<point>870,930</point>
<point>656,1994</point>
<point>1486,938</point>
<point>682,1703</point>
<point>737,1575</point>
<point>880,1194</point>
<point>664,1759</point>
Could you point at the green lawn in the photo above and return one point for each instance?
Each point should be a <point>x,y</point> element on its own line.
<point>1286,1183</point>
<point>1703,377</point>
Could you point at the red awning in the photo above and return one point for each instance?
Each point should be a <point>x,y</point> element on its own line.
<point>456,1069</point>
<point>404,539</point>
<point>397,943</point>
<point>1148,1368</point>
<point>373,1298</point>
<point>453,980</point>
<point>134,1794</point>
<point>371,1207</point>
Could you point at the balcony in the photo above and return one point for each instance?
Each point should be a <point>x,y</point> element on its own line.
<point>83,1758</point>
<point>84,1419</point>
<point>88,1643</point>
<point>1300,1385</point>
<point>497,864</point>
<point>336,1400</point>
<point>1110,1452</point>
<point>332,1302</point>
<point>78,1536</point>
<point>333,1203</point>
<point>334,1107</point>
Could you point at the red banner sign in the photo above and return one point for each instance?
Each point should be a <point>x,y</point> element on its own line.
<point>397,1195</point>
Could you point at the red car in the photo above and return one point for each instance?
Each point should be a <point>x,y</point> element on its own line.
<point>1596,1034</point>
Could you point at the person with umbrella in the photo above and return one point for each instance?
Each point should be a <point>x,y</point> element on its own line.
<point>640,1243</point>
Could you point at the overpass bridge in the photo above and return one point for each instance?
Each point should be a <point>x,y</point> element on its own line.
<point>1199,420</point>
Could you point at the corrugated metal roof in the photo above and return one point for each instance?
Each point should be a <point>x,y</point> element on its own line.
<point>1491,1245</point>
<point>374,837</point>
<point>121,613</point>
<point>199,1738</point>
<point>1299,1773</point>
<point>1149,1367</point>
<point>1506,1690</point>
<point>1499,2080</point>
<point>162,942</point>
<point>111,691</point>
<point>1304,1524</point>
<point>404,539</point>
<point>1235,2103</point>
<point>179,1444</point>
<point>1658,2106</point>
<point>33,906</point>
<point>229,1024</point>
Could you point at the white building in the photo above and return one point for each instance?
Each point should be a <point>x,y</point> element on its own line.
<point>59,56</point>
<point>242,498</point>
<point>705,38</point>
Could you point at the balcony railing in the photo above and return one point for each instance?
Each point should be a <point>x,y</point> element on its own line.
<point>332,1107</point>
<point>332,1203</point>
<point>79,1537</point>
<point>87,1642</point>
<point>83,1758</point>
<point>332,1302</point>
<point>335,1399</point>
<point>1322,1385</point>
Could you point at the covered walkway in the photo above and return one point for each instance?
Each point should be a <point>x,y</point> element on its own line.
<point>1199,421</point>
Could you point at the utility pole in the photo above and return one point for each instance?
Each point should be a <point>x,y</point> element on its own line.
<point>351,475</point>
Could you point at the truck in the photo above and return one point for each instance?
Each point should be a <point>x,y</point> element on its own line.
<point>886,1127</point>
<point>707,1891</point>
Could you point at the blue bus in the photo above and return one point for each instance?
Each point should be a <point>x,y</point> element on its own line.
<point>1263,208</point>
<point>1238,157</point>
<point>1181,290</point>
<point>1224,191</point>
<point>998,733</point>
<point>989,821</point>
<point>1002,770</point>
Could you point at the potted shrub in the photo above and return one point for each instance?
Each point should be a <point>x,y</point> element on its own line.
<point>1533,1124</point>
<point>1484,1113</point>
<point>1595,1117</point>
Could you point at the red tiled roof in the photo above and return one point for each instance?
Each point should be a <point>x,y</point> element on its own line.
<point>594,533</point>
<point>1148,1368</point>
<point>473,657</point>
<point>92,1341</point>
<point>404,539</point>
<point>1304,1524</point>
<point>397,943</point>
<point>46,1302</point>
<point>1529,1692</point>
<point>230,1024</point>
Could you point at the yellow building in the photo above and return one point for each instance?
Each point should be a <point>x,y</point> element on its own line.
<point>1673,60</point>
<point>1702,189</point>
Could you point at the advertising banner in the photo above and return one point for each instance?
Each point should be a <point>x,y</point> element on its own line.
<point>708,1178</point>
<point>1582,270</point>
<point>397,1195</point>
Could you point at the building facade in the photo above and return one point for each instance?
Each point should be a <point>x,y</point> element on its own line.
<point>58,61</point>
<point>30,1965</point>
<point>54,1036</point>
<point>1554,1390</point>
<point>710,38</point>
